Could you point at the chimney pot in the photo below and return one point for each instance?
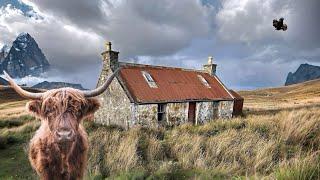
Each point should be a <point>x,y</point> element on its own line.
<point>108,46</point>
<point>210,60</point>
<point>210,67</point>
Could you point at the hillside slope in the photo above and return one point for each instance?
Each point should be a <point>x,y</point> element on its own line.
<point>303,94</point>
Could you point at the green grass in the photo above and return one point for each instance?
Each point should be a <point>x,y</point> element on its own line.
<point>14,163</point>
<point>15,122</point>
<point>14,136</point>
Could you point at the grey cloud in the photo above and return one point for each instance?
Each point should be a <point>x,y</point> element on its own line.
<point>85,13</point>
<point>304,24</point>
<point>141,27</point>
<point>251,22</point>
<point>239,34</point>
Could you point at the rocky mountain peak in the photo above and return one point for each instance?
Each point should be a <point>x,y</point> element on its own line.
<point>24,58</point>
<point>305,72</point>
<point>5,48</point>
<point>4,51</point>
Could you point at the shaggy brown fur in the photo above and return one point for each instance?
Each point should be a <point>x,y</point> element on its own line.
<point>51,158</point>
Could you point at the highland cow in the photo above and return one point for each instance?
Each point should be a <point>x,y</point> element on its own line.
<point>58,150</point>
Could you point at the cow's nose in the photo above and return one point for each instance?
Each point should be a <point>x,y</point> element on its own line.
<point>64,134</point>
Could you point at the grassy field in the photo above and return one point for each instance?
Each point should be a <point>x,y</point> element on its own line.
<point>277,138</point>
<point>286,97</point>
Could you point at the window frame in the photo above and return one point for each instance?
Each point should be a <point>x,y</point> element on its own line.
<point>149,79</point>
<point>204,81</point>
<point>161,111</point>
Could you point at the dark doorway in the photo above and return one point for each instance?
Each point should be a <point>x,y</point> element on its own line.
<point>161,112</point>
<point>192,112</point>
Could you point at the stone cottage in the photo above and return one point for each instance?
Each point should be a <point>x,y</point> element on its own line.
<point>156,95</point>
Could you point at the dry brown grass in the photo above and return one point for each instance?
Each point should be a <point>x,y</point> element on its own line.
<point>298,95</point>
<point>253,146</point>
<point>277,138</point>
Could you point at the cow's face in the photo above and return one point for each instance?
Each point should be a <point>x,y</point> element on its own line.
<point>63,110</point>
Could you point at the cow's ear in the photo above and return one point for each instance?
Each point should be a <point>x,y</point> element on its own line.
<point>92,106</point>
<point>34,107</point>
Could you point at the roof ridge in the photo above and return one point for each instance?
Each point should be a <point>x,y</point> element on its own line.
<point>160,67</point>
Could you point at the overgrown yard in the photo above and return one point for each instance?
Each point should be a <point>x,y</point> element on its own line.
<point>271,141</point>
<point>283,145</point>
<point>279,145</point>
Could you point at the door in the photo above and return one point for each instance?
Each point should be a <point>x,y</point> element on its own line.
<point>192,112</point>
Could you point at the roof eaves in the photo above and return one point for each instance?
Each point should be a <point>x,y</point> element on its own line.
<point>182,101</point>
<point>224,87</point>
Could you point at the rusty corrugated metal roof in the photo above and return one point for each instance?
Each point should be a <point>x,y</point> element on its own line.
<point>173,85</point>
<point>235,94</point>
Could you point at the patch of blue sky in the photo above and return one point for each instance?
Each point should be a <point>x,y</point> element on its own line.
<point>26,9</point>
<point>17,4</point>
<point>214,3</point>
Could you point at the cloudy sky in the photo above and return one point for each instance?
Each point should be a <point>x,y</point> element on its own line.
<point>237,33</point>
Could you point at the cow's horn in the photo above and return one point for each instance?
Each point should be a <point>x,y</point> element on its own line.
<point>20,91</point>
<point>102,88</point>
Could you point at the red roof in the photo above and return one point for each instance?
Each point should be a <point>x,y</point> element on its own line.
<point>173,85</point>
<point>235,94</point>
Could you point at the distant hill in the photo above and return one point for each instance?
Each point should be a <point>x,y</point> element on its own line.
<point>23,58</point>
<point>3,82</point>
<point>301,94</point>
<point>305,72</point>
<point>8,94</point>
<point>56,85</point>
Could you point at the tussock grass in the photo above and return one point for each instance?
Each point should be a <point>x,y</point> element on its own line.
<point>277,138</point>
<point>17,134</point>
<point>15,122</point>
<point>276,146</point>
<point>300,168</point>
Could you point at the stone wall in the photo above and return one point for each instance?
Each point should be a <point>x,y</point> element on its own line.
<point>115,106</point>
<point>177,113</point>
<point>145,115</point>
<point>204,112</point>
<point>225,109</point>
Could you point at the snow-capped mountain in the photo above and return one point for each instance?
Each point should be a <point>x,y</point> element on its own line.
<point>24,58</point>
<point>4,51</point>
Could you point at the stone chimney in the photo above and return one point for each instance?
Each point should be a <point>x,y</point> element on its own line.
<point>210,67</point>
<point>110,63</point>
<point>110,58</point>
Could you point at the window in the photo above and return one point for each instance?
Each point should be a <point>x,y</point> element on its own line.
<point>204,81</point>
<point>161,112</point>
<point>149,79</point>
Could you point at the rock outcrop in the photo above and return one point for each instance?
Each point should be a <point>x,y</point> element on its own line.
<point>24,58</point>
<point>305,72</point>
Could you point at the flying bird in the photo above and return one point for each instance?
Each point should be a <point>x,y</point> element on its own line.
<point>279,24</point>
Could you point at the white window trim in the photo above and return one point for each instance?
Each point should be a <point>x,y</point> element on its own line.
<point>149,79</point>
<point>204,81</point>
